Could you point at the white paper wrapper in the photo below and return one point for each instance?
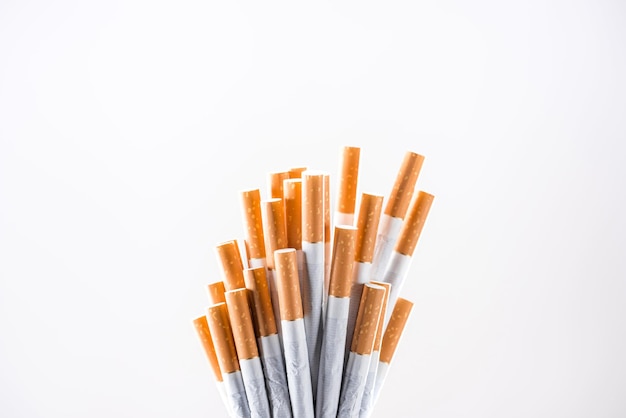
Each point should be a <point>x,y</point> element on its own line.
<point>353,385</point>
<point>361,275</point>
<point>254,382</point>
<point>367,403</point>
<point>381,375</point>
<point>222,391</point>
<point>275,376</point>
<point>236,393</point>
<point>331,358</point>
<point>312,299</point>
<point>388,232</point>
<point>297,365</point>
<point>395,274</point>
<point>344,218</point>
<point>256,262</point>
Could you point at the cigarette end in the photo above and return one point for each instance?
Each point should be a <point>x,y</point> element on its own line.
<point>367,225</point>
<point>232,267</point>
<point>395,327</point>
<point>241,322</point>
<point>288,284</point>
<point>274,227</point>
<point>367,319</point>
<point>342,262</point>
<point>216,292</point>
<point>251,206</point>
<point>404,185</point>
<point>348,180</point>
<point>219,326</point>
<point>292,192</point>
<point>413,224</point>
<point>256,281</point>
<point>202,328</point>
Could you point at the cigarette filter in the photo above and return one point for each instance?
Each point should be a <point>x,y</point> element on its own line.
<point>401,257</point>
<point>367,403</point>
<point>275,183</point>
<point>394,330</point>
<point>296,172</point>
<point>367,225</point>
<point>360,352</point>
<point>202,329</point>
<point>313,247</point>
<point>269,343</point>
<point>327,223</point>
<point>255,241</point>
<point>294,336</point>
<point>248,353</point>
<point>332,354</point>
<point>396,208</point>
<point>216,292</point>
<point>274,227</point>
<point>232,266</point>
<point>348,180</point>
<point>219,326</point>
<point>292,191</point>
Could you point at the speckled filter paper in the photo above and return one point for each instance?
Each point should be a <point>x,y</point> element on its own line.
<point>331,358</point>
<point>353,385</point>
<point>254,383</point>
<point>297,365</point>
<point>381,375</point>
<point>275,376</point>
<point>233,383</point>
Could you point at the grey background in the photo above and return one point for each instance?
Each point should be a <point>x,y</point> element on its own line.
<point>127,128</point>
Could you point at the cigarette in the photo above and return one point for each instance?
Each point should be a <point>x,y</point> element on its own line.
<point>332,351</point>
<point>348,180</point>
<point>360,352</point>
<point>296,172</point>
<point>390,341</point>
<point>327,223</point>
<point>275,183</point>
<point>294,336</point>
<point>216,292</point>
<point>392,219</point>
<point>269,343</point>
<point>274,228</point>
<point>367,403</point>
<point>367,225</point>
<point>219,326</point>
<point>292,192</point>
<point>313,247</point>
<point>202,329</point>
<point>402,255</point>
<point>255,242</point>
<point>232,267</point>
<point>248,353</point>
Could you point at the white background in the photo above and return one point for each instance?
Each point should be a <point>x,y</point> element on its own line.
<point>128,127</point>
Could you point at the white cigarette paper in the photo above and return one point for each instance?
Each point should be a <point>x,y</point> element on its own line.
<point>367,403</point>
<point>298,373</point>
<point>236,393</point>
<point>353,385</point>
<point>395,275</point>
<point>312,299</point>
<point>344,218</point>
<point>381,376</point>
<point>388,232</point>
<point>222,391</point>
<point>275,376</point>
<point>331,359</point>
<point>254,383</point>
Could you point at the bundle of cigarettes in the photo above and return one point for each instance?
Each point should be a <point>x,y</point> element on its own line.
<point>302,328</point>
